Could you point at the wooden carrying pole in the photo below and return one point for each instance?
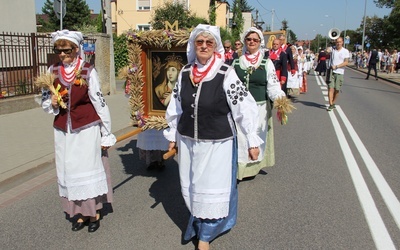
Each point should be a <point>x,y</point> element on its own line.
<point>169,154</point>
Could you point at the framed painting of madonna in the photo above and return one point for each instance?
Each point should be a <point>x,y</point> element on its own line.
<point>155,58</point>
<point>164,67</point>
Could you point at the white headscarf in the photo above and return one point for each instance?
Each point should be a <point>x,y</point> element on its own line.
<point>212,30</point>
<point>74,36</point>
<point>252,29</point>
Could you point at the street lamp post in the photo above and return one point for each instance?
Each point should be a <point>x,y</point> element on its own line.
<point>345,17</point>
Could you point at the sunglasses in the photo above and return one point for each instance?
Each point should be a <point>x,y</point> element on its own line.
<point>249,39</point>
<point>59,51</point>
<point>227,47</point>
<point>209,43</point>
<point>238,44</point>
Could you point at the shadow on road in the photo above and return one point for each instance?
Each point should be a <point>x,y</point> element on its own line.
<point>310,104</point>
<point>165,189</point>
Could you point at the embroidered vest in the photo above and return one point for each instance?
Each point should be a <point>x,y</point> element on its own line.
<point>205,108</point>
<point>80,112</point>
<point>257,82</point>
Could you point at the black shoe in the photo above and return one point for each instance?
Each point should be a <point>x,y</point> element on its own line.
<point>93,226</point>
<point>376,78</point>
<point>366,78</point>
<point>76,226</point>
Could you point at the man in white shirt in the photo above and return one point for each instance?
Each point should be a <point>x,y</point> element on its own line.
<point>378,64</point>
<point>339,59</point>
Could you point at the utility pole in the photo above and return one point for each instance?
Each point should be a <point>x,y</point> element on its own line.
<point>107,18</point>
<point>363,36</point>
<point>257,23</point>
<point>272,21</point>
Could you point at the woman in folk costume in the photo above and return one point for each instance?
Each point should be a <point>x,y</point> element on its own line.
<point>302,65</point>
<point>260,78</point>
<point>321,66</point>
<point>293,82</point>
<point>82,133</point>
<point>208,100</point>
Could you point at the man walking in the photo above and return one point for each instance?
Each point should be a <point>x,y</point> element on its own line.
<point>372,60</point>
<point>339,59</point>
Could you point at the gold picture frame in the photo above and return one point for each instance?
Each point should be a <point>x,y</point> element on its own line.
<point>143,49</point>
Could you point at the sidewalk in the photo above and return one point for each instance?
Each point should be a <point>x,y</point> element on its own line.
<point>27,147</point>
<point>393,77</point>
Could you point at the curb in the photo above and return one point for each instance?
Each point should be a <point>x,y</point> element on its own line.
<point>379,77</point>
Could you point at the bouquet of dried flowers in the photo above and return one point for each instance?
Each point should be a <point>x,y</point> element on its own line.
<point>284,107</point>
<point>46,81</point>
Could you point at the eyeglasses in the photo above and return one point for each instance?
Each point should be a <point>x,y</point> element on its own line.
<point>227,47</point>
<point>209,43</point>
<point>59,51</point>
<point>249,39</point>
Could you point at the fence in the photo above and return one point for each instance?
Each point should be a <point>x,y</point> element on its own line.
<point>22,58</point>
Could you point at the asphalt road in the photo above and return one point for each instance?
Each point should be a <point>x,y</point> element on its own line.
<point>335,185</point>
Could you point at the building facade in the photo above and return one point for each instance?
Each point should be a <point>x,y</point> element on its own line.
<point>18,16</point>
<point>137,14</point>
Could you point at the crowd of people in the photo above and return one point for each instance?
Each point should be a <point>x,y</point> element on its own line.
<point>219,104</point>
<point>387,61</point>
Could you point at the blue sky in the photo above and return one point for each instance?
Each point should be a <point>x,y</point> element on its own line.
<point>306,18</point>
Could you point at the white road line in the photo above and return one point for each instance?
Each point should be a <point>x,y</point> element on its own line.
<point>325,93</point>
<point>388,196</point>
<point>323,87</point>
<point>376,225</point>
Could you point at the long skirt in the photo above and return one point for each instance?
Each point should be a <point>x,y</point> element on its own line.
<point>293,84</point>
<point>90,206</point>
<point>265,130</point>
<point>83,182</point>
<point>207,229</point>
<point>152,145</point>
<point>321,67</point>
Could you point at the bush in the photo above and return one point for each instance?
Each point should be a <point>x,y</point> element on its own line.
<point>120,52</point>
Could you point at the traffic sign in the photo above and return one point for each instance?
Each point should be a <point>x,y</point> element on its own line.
<point>59,7</point>
<point>347,40</point>
<point>88,48</point>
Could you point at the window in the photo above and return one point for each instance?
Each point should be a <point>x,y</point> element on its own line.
<point>143,4</point>
<point>143,27</point>
<point>185,3</point>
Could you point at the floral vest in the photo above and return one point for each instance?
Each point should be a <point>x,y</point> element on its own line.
<point>80,112</point>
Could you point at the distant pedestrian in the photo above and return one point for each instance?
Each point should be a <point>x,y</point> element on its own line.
<point>82,133</point>
<point>339,60</point>
<point>373,58</point>
<point>321,67</point>
<point>230,54</point>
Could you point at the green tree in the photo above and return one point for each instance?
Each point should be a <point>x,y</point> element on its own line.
<point>291,36</point>
<point>120,52</point>
<point>392,35</point>
<point>245,7</point>
<point>237,19</point>
<point>212,16</point>
<point>172,12</point>
<point>77,14</point>
<point>385,3</point>
<point>375,31</point>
